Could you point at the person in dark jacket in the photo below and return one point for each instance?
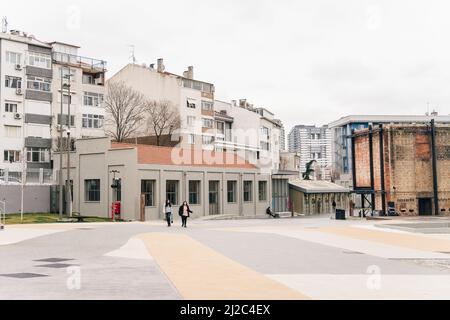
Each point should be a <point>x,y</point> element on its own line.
<point>168,212</point>
<point>185,213</point>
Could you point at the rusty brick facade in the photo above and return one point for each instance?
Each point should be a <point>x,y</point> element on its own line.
<point>408,167</point>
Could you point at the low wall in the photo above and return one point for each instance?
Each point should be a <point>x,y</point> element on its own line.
<point>36,198</point>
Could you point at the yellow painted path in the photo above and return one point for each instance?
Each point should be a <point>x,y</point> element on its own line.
<point>200,273</point>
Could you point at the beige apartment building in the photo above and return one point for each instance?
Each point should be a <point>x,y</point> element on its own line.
<point>213,183</point>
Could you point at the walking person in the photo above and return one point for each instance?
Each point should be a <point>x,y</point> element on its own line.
<point>185,213</point>
<point>168,211</point>
<point>334,205</point>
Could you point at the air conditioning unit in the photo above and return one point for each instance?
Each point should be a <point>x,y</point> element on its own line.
<point>17,116</point>
<point>19,91</point>
<point>18,67</point>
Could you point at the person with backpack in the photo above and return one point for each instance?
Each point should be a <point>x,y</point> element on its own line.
<point>184,212</point>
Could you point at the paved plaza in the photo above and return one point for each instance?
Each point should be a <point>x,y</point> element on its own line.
<point>308,258</point>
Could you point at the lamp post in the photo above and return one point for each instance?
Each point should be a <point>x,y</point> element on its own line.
<point>61,149</point>
<point>68,185</point>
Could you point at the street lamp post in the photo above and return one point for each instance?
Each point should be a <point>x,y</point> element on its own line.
<point>61,149</point>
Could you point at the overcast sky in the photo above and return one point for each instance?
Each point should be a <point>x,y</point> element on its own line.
<point>310,62</point>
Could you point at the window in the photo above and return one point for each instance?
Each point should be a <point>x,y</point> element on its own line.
<point>231,191</point>
<point>72,120</point>
<point>265,146</point>
<point>39,84</point>
<point>11,156</point>
<point>13,57</point>
<point>265,132</point>
<point>207,123</point>
<point>248,194</point>
<point>148,190</point>
<point>92,99</point>
<point>207,106</point>
<point>220,127</point>
<point>92,190</point>
<point>172,191</point>
<point>13,82</point>
<point>191,121</point>
<point>88,79</point>
<point>92,121</point>
<point>194,192</point>
<point>197,85</point>
<point>12,132</point>
<point>207,140</point>
<point>39,155</point>
<point>262,188</point>
<point>39,60</point>
<point>11,107</point>
<point>191,104</point>
<point>191,139</point>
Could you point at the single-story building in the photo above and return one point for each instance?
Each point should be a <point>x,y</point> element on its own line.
<point>213,183</point>
<point>316,197</point>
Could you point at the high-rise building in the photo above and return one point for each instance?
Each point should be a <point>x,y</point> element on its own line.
<point>312,143</point>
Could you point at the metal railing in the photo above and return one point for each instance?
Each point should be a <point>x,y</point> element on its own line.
<point>82,62</point>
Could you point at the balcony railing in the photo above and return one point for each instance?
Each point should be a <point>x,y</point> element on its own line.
<point>79,61</point>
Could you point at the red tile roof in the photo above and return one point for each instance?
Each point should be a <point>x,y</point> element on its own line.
<point>148,154</point>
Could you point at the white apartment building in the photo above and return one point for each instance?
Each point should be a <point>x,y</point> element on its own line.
<point>194,99</point>
<point>25,114</point>
<point>312,143</point>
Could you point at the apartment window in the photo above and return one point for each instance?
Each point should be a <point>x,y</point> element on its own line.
<point>39,84</point>
<point>248,194</point>
<point>13,57</point>
<point>13,82</point>
<point>92,121</point>
<point>207,140</point>
<point>262,188</point>
<point>190,104</point>
<point>148,190</point>
<point>207,106</point>
<point>39,60</point>
<point>88,79</point>
<point>194,192</point>
<point>190,121</point>
<point>65,117</point>
<point>265,132</point>
<point>231,191</point>
<point>172,191</point>
<point>11,156</point>
<point>92,190</point>
<point>12,132</point>
<point>11,107</point>
<point>197,85</point>
<point>39,155</point>
<point>220,127</point>
<point>265,146</point>
<point>92,99</point>
<point>207,123</point>
<point>191,139</point>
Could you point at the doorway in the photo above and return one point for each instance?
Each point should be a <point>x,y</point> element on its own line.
<point>425,207</point>
<point>213,197</point>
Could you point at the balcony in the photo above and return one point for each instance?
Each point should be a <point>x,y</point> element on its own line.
<point>87,64</point>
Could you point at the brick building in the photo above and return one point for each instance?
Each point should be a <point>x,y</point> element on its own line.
<point>413,173</point>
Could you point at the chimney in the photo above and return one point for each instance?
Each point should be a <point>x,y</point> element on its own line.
<point>243,103</point>
<point>161,66</point>
<point>234,103</point>
<point>189,74</point>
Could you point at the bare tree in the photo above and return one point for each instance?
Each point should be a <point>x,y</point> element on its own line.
<point>124,110</point>
<point>163,118</point>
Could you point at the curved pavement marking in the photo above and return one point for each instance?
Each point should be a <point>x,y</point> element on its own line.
<point>200,273</point>
<point>15,235</point>
<point>409,240</point>
<point>133,249</point>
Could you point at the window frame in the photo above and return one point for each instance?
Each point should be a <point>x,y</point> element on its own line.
<point>265,184</point>
<point>88,192</point>
<point>148,190</point>
<point>194,193</point>
<point>248,194</point>
<point>232,192</point>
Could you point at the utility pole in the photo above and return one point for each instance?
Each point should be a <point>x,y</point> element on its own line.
<point>68,186</point>
<point>61,149</point>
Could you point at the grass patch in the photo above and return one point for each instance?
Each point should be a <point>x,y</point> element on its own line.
<point>31,218</point>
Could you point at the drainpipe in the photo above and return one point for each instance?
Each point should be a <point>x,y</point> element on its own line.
<point>434,162</point>
<point>383,184</point>
<point>372,174</point>
<point>353,160</point>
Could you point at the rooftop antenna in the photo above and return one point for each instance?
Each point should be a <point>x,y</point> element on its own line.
<point>132,55</point>
<point>4,24</point>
